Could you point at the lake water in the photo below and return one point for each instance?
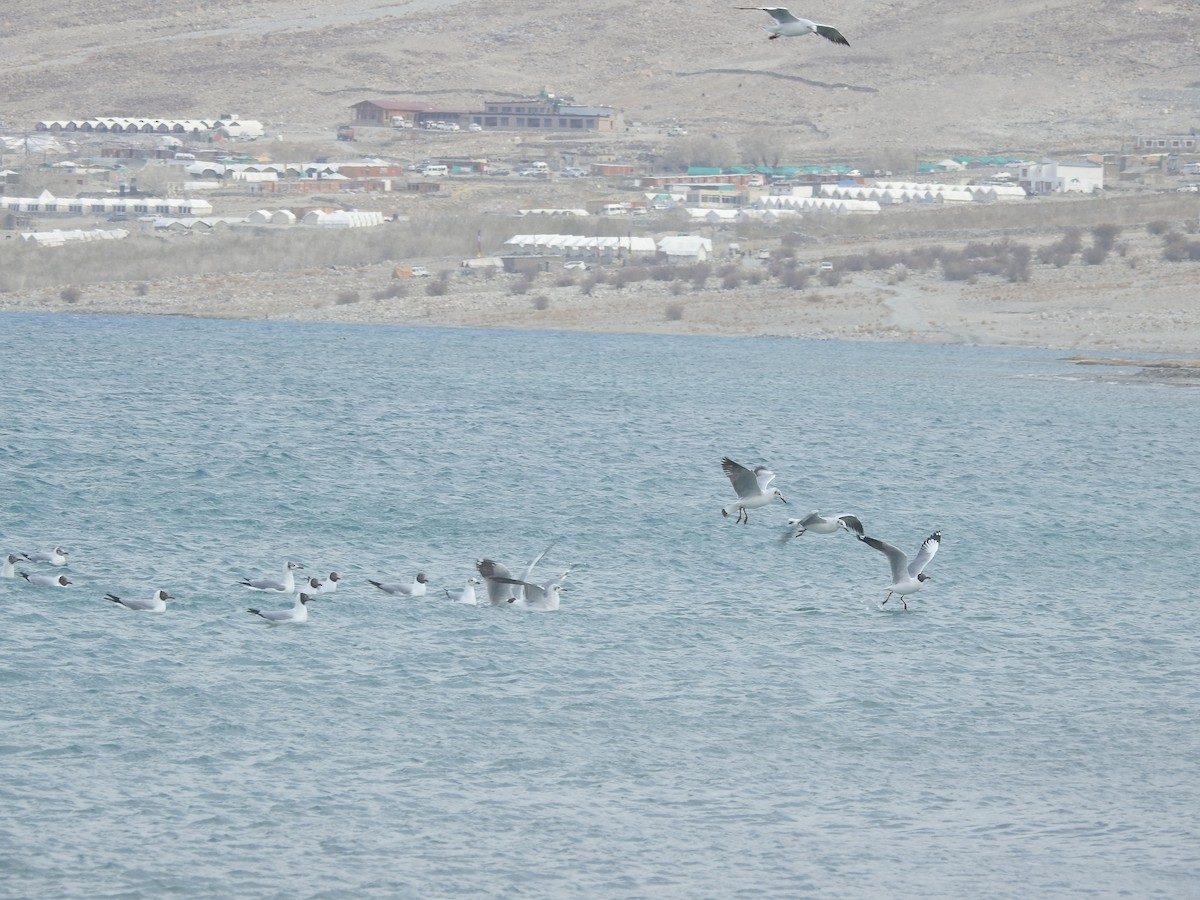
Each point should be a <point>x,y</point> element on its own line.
<point>710,714</point>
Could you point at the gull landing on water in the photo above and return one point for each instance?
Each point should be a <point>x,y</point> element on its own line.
<point>907,577</point>
<point>753,489</point>
<point>787,25</point>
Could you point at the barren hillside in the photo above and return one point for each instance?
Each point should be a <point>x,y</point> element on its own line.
<point>919,76</point>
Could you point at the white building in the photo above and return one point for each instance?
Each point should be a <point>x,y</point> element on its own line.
<point>1062,177</point>
<point>685,248</point>
<point>46,202</point>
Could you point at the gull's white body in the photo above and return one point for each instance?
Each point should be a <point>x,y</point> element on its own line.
<point>466,595</point>
<point>8,569</point>
<point>520,593</point>
<point>45,580</point>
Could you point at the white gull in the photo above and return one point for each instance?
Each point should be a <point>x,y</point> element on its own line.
<point>8,568</point>
<point>154,604</point>
<point>416,589</point>
<point>56,557</point>
<point>753,489</point>
<point>294,616</point>
<point>45,580</point>
<point>907,577</point>
<point>815,523</point>
<point>788,25</point>
<point>285,586</point>
<point>466,594</point>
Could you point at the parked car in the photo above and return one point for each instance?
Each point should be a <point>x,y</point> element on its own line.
<point>420,272</point>
<point>826,265</point>
<point>576,264</point>
<point>474,126</point>
<point>499,171</point>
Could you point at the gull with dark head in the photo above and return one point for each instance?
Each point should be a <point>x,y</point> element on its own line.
<point>787,25</point>
<point>753,489</point>
<point>294,616</point>
<point>56,557</point>
<point>396,589</point>
<point>156,603</point>
<point>45,580</point>
<point>907,577</point>
<point>521,592</point>
<point>815,523</point>
<point>8,569</point>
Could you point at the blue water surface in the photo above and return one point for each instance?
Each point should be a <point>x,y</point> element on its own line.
<point>711,713</point>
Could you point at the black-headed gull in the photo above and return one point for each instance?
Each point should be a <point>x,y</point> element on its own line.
<point>329,585</point>
<point>466,594</point>
<point>907,577</point>
<point>276,586</point>
<point>753,489</point>
<point>46,580</point>
<point>56,557</point>
<point>294,616</point>
<point>416,589</point>
<point>815,523</point>
<point>8,569</point>
<point>154,604</point>
<point>787,25</point>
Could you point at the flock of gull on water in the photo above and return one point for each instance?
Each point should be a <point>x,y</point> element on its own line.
<point>504,590</point>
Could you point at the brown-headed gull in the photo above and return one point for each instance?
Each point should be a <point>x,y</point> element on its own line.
<point>907,577</point>
<point>156,603</point>
<point>286,585</point>
<point>787,25</point>
<point>294,616</point>
<point>8,569</point>
<point>46,580</point>
<point>56,557</point>
<point>753,489</point>
<point>519,593</point>
<point>815,523</point>
<point>416,589</point>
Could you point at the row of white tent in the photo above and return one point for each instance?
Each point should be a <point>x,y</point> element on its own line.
<point>832,205</point>
<point>888,193</point>
<point>46,202</point>
<point>583,243</point>
<point>141,125</point>
<point>353,218</point>
<point>58,237</point>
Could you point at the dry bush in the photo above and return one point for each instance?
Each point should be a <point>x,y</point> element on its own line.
<point>70,295</point>
<point>541,301</point>
<point>564,280</point>
<point>678,288</point>
<point>141,289</point>
<point>344,298</point>
<point>439,287</point>
<point>1177,248</point>
<point>588,284</point>
<point>831,278</point>
<point>1157,227</point>
<point>795,278</point>
<point>674,312</point>
<point>519,287</point>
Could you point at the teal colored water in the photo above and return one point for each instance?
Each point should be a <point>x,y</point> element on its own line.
<point>711,713</point>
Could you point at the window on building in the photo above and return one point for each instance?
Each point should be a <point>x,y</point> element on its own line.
<point>520,121</point>
<point>576,123</point>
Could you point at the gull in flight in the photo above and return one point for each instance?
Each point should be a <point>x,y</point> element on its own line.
<point>520,593</point>
<point>466,594</point>
<point>416,589</point>
<point>8,569</point>
<point>752,488</point>
<point>285,586</point>
<point>907,577</point>
<point>815,523</point>
<point>155,604</point>
<point>56,557</point>
<point>46,580</point>
<point>787,25</point>
<point>294,616</point>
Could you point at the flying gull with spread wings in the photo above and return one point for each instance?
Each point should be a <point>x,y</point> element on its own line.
<point>787,25</point>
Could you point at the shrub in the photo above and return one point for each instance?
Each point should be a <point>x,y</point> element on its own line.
<point>519,287</point>
<point>674,312</point>
<point>564,280</point>
<point>347,297</point>
<point>1095,255</point>
<point>141,289</point>
<point>396,289</point>
<point>439,286</point>
<point>541,301</point>
<point>796,279</point>
<point>1157,227</point>
<point>1104,236</point>
<point>70,295</point>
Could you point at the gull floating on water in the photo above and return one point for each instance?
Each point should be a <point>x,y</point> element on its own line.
<point>329,585</point>
<point>285,586</point>
<point>416,589</point>
<point>46,580</point>
<point>787,25</point>
<point>815,523</point>
<point>907,577</point>
<point>56,557</point>
<point>8,568</point>
<point>753,489</point>
<point>466,594</point>
<point>155,604</point>
<point>293,616</point>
